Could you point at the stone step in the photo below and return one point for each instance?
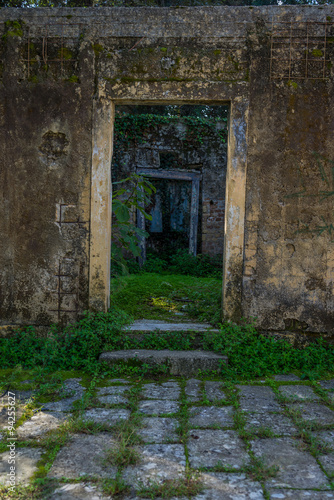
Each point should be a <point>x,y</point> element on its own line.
<point>182,363</point>
<point>151,325</point>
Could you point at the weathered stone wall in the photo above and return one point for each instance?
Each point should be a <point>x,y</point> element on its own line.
<point>63,70</point>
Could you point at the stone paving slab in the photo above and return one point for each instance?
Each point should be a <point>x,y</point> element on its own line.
<point>214,391</point>
<point>41,423</point>
<point>159,429</point>
<point>287,378</point>
<point>151,325</point>
<point>25,464</point>
<point>297,468</point>
<point>106,416</point>
<point>222,486</point>
<point>115,390</point>
<point>158,462</point>
<point>167,390</point>
<point>66,404</point>
<point>281,494</point>
<point>157,407</point>
<point>192,390</point>
<point>111,399</point>
<point>78,491</point>
<point>327,462</point>
<point>275,422</point>
<point>257,399</point>
<point>207,448</point>
<point>314,412</point>
<point>327,384</point>
<point>204,416</point>
<point>85,454</point>
<point>298,392</point>
<point>326,437</point>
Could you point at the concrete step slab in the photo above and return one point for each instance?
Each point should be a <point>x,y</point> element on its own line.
<point>151,325</point>
<point>182,363</point>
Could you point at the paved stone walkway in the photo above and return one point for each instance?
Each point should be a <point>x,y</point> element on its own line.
<point>270,439</point>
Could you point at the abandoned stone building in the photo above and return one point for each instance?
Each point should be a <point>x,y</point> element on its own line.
<point>63,71</point>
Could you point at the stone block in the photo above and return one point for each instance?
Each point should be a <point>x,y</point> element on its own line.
<point>257,399</point>
<point>159,430</point>
<point>314,412</point>
<point>192,389</point>
<point>223,486</point>
<point>158,463</point>
<point>158,407</point>
<point>208,448</point>
<point>211,416</point>
<point>78,491</point>
<point>25,464</point>
<point>167,390</point>
<point>214,391</point>
<point>106,416</point>
<point>84,455</point>
<point>41,423</point>
<point>282,494</point>
<point>275,422</point>
<point>298,392</point>
<point>297,468</point>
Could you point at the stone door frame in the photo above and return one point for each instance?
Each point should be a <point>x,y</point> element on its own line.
<point>100,220</point>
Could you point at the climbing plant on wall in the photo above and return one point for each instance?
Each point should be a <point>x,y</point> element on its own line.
<point>133,129</point>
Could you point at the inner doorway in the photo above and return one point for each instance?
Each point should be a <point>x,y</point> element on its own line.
<point>182,151</point>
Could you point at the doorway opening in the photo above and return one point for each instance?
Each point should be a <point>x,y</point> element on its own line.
<point>177,224</point>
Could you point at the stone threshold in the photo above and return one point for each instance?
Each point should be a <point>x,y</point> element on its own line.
<point>151,325</point>
<point>182,363</point>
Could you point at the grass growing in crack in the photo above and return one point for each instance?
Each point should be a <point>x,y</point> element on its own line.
<point>123,453</point>
<point>257,470</point>
<point>187,486</point>
<point>183,417</point>
<point>37,491</point>
<point>115,486</point>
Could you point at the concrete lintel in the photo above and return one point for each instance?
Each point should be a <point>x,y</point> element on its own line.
<point>235,210</point>
<point>100,220</point>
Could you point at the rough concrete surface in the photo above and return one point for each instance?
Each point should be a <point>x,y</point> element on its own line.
<point>159,430</point>
<point>84,455</point>
<point>26,460</point>
<point>152,325</point>
<point>297,469</point>
<point>208,448</point>
<point>298,392</point>
<point>182,363</point>
<point>211,416</point>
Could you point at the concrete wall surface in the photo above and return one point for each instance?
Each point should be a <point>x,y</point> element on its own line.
<point>62,71</point>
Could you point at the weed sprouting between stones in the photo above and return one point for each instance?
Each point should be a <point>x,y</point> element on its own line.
<point>115,486</point>
<point>257,470</point>
<point>187,486</point>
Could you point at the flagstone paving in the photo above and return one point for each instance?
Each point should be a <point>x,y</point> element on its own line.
<point>270,439</point>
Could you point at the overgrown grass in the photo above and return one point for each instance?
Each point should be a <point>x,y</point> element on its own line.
<point>156,296</point>
<point>251,354</point>
<point>78,346</point>
<point>179,262</point>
